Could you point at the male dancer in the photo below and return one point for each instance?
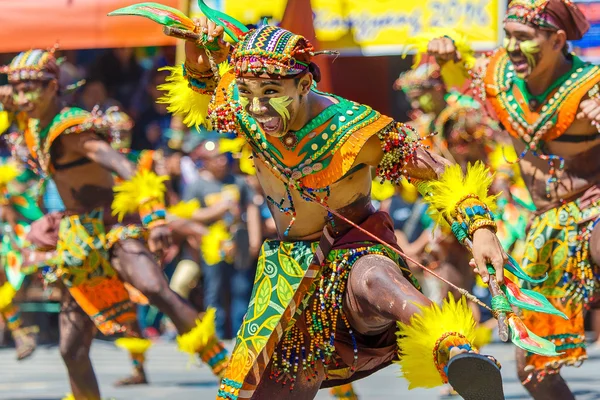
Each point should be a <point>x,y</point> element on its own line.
<point>95,255</point>
<point>548,100</point>
<point>325,321</point>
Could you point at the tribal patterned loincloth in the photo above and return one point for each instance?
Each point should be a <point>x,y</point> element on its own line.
<point>83,247</point>
<point>558,245</point>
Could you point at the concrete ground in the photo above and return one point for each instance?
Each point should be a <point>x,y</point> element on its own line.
<point>43,377</point>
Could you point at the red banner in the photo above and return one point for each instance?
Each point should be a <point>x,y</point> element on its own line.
<point>75,24</point>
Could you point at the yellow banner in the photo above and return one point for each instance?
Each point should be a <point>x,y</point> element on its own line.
<point>380,27</point>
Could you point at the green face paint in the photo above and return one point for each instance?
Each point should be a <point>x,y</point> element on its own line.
<point>280,105</point>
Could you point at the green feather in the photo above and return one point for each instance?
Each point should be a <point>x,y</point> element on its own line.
<point>232,27</point>
<point>544,347</point>
<point>513,266</point>
<point>544,305</point>
<point>159,13</point>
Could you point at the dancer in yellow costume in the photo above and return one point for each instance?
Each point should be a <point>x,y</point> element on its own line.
<point>548,100</point>
<point>95,252</point>
<point>329,293</point>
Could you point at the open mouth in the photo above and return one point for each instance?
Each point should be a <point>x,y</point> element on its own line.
<point>270,125</point>
<point>520,64</point>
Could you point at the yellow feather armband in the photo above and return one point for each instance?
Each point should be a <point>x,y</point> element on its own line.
<point>461,200</point>
<point>184,209</point>
<point>424,343</point>
<point>133,345</point>
<point>145,193</point>
<point>185,100</point>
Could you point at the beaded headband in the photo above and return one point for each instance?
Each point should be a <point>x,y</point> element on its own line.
<point>33,65</point>
<point>423,77</point>
<point>116,120</point>
<point>273,51</point>
<point>531,12</point>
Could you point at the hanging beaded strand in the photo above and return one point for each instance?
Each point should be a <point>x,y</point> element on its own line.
<point>321,319</point>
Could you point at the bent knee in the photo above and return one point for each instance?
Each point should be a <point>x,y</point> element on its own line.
<point>74,352</point>
<point>373,271</point>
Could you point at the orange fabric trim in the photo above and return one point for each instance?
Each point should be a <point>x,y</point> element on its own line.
<point>343,159</point>
<point>64,125</point>
<point>30,142</point>
<point>146,160</point>
<point>55,133</point>
<point>566,112</point>
<point>107,301</point>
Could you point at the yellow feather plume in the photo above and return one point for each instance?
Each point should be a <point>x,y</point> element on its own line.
<point>184,209</point>
<point>8,173</point>
<point>246,161</point>
<point>382,191</point>
<point>182,101</point>
<point>454,74</point>
<point>69,396</point>
<point>143,187</point>
<point>212,243</point>
<point>7,294</point>
<point>417,339</point>
<point>483,336</point>
<point>224,68</point>
<point>452,186</point>
<point>6,119</point>
<point>133,345</point>
<point>234,145</point>
<point>196,339</point>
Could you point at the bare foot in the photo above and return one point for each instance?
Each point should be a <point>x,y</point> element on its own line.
<point>135,379</point>
<point>25,341</point>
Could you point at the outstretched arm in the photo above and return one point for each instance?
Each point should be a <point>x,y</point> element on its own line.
<point>397,154</point>
<point>89,145</point>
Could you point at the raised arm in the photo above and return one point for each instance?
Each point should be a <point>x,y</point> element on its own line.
<point>190,87</point>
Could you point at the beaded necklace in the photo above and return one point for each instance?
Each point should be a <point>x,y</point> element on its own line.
<point>316,152</point>
<point>532,134</point>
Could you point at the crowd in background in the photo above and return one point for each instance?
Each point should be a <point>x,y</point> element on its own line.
<point>234,208</point>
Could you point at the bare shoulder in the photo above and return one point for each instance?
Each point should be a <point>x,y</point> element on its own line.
<point>371,152</point>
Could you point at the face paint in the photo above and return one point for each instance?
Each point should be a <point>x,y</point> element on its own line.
<point>510,44</point>
<point>244,102</point>
<point>426,102</point>
<point>280,105</point>
<point>29,96</point>
<point>255,108</point>
<point>529,48</point>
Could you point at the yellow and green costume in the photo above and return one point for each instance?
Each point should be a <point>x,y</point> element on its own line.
<point>294,318</point>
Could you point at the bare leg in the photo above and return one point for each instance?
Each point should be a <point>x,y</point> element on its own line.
<point>378,295</point>
<point>304,389</point>
<point>136,266</point>
<point>76,334</point>
<point>24,336</point>
<point>552,387</point>
<point>381,295</point>
<point>138,359</point>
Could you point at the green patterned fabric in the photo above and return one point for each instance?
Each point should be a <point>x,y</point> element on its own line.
<point>281,267</point>
<point>83,247</point>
